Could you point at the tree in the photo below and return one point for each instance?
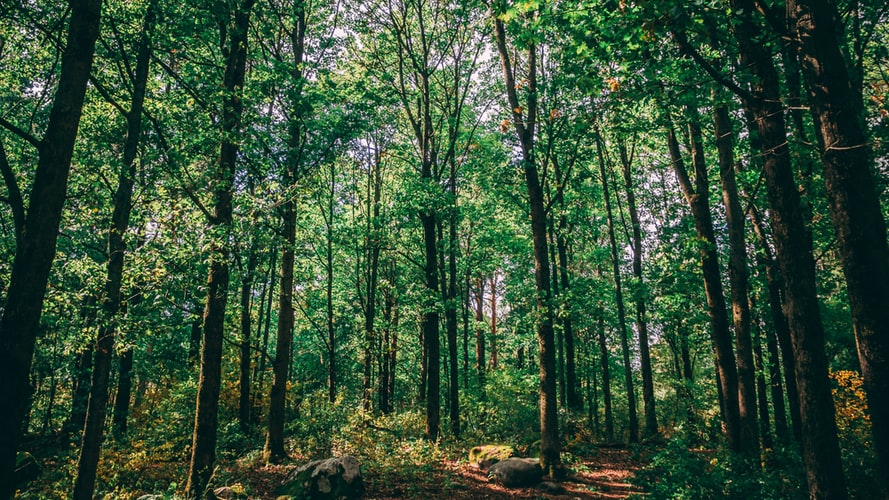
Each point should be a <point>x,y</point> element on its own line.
<point>84,486</point>
<point>854,204</point>
<point>38,229</point>
<point>233,28</point>
<point>524,118</point>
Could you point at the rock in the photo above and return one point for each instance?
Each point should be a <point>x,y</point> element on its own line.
<point>551,487</point>
<point>485,456</point>
<point>329,479</point>
<point>227,493</point>
<point>516,472</point>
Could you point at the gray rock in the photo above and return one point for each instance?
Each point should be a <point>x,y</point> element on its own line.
<point>552,487</point>
<point>226,493</point>
<point>329,479</point>
<point>516,472</point>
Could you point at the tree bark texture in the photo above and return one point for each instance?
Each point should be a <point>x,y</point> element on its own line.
<point>36,249</point>
<point>854,202</point>
<point>234,50</point>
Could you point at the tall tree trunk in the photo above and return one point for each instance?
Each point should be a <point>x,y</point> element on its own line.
<point>36,248</point>
<point>558,317</point>
<point>793,243</point>
<point>430,326</point>
<point>375,187</point>
<point>480,358</point>
<point>836,105</point>
<point>88,460</point>
<point>626,161</point>
<point>780,331</point>
<point>738,279</point>
<point>550,447</point>
<point>234,48</point>
<point>451,308</point>
<point>633,422</point>
<point>80,394</point>
<point>244,403</point>
<point>762,401</point>
<point>331,327</point>
<point>274,451</point>
<point>698,201</point>
<point>124,394</point>
<point>494,320</point>
<point>606,376</point>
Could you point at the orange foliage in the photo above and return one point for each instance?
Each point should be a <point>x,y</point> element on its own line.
<point>850,402</point>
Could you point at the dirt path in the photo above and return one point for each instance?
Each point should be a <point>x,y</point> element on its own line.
<point>602,476</point>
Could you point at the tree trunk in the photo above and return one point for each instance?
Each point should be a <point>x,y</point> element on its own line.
<point>480,358</point>
<point>244,403</point>
<point>124,394</point>
<point>451,309</point>
<point>606,377</point>
<point>762,401</point>
<point>641,322</point>
<point>274,451</point>
<point>698,201</point>
<point>550,446</point>
<point>793,243</point>
<point>854,202</point>
<point>633,422</point>
<point>88,460</point>
<point>494,320</point>
<point>738,279</point>
<point>780,331</point>
<point>234,48</point>
<point>430,329</point>
<point>36,248</point>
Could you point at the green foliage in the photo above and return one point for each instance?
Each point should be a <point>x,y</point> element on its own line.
<point>680,472</point>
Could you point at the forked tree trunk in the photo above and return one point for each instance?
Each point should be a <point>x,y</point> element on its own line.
<point>738,280</point>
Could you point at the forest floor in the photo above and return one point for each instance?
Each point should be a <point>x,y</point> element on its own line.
<point>605,474</point>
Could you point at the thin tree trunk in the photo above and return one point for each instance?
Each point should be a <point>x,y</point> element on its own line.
<point>606,377</point>
<point>697,198</point>
<point>641,322</point>
<point>93,430</point>
<point>780,331</point>
<point>36,247</point>
<point>203,454</point>
<point>494,320</point>
<point>451,309</point>
<point>480,358</point>
<point>632,418</point>
<point>762,401</point>
<point>244,403</point>
<point>738,280</point>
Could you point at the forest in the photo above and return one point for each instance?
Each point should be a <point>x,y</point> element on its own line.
<point>637,246</point>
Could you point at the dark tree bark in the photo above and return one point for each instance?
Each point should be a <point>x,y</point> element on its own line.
<point>88,461</point>
<point>697,197</point>
<point>480,358</point>
<point>372,255</point>
<point>606,377</point>
<point>36,248</point>
<point>80,394</point>
<point>274,451</point>
<point>451,307</point>
<point>738,280</point>
<point>836,105</point>
<point>494,320</point>
<point>632,418</point>
<point>124,394</point>
<point>244,403</point>
<point>793,243</point>
<point>524,125</point>
<point>626,160</point>
<point>233,30</point>
<point>780,331</point>
<point>762,401</point>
